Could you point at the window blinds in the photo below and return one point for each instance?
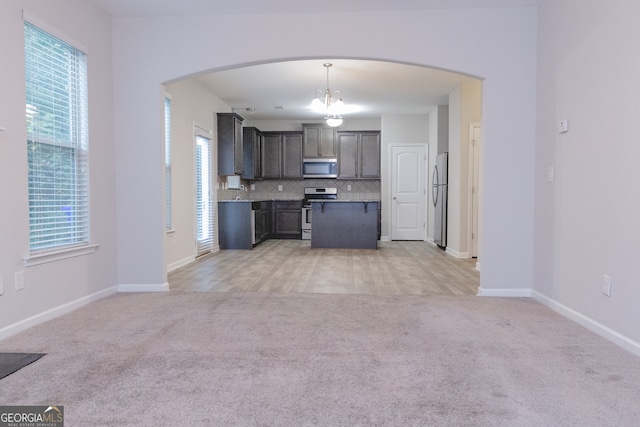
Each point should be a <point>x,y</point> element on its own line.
<point>204,193</point>
<point>56,108</point>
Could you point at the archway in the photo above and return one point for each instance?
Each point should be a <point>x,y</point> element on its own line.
<point>420,89</point>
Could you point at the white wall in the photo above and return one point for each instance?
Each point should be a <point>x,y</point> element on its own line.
<point>59,286</point>
<point>464,109</point>
<point>190,103</point>
<point>497,45</point>
<point>586,221</point>
<point>405,129</point>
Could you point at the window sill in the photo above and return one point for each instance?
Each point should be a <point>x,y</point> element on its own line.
<point>45,257</point>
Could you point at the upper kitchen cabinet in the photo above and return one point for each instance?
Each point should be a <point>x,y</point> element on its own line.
<point>251,153</point>
<point>230,151</point>
<point>281,154</point>
<point>359,155</point>
<point>319,140</point>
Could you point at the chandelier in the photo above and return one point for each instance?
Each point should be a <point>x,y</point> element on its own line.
<point>329,103</point>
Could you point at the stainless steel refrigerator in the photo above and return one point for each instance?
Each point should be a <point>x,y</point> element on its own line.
<point>439,186</point>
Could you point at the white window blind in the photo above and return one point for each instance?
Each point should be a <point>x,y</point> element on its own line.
<point>167,162</point>
<point>204,193</point>
<point>56,108</point>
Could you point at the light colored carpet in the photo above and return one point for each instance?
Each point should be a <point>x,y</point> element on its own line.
<point>245,359</point>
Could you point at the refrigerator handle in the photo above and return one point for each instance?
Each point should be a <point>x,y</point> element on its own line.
<point>435,176</point>
<point>434,194</point>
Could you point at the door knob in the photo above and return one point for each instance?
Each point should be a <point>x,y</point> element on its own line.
<point>394,197</point>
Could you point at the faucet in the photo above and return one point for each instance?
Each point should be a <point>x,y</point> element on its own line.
<point>240,187</point>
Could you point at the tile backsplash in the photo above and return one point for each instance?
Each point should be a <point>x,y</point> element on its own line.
<point>294,189</point>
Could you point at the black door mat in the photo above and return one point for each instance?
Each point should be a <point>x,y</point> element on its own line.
<point>11,362</point>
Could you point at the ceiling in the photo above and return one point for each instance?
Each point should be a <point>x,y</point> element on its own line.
<point>369,89</point>
<point>284,90</point>
<point>190,7</point>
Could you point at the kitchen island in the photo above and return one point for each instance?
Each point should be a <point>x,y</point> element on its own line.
<point>346,224</point>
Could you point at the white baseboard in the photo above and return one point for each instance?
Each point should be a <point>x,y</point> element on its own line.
<point>54,312</point>
<point>385,239</point>
<point>180,263</point>
<point>509,293</point>
<point>144,288</point>
<point>596,327</point>
<point>456,253</point>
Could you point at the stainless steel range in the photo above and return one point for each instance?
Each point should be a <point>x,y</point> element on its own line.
<point>314,193</point>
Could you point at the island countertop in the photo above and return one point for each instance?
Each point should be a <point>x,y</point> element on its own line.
<point>345,201</point>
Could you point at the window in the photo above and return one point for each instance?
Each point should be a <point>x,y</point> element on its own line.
<point>167,161</point>
<point>56,107</point>
<point>205,204</point>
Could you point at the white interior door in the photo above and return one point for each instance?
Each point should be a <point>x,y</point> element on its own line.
<point>408,220</point>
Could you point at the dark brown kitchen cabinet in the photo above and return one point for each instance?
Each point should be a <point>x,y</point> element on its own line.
<point>319,140</point>
<point>270,154</point>
<point>230,152</point>
<point>359,155</point>
<point>281,154</point>
<point>251,153</point>
<point>287,219</point>
<point>262,218</point>
<point>292,155</point>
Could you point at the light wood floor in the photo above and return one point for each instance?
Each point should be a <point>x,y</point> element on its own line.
<point>412,268</point>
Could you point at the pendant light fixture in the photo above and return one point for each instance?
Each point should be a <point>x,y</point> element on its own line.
<point>329,103</point>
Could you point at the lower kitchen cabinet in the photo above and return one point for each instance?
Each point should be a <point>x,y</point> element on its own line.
<point>287,221</point>
<point>243,224</point>
<point>262,212</point>
<point>234,225</point>
<point>345,224</point>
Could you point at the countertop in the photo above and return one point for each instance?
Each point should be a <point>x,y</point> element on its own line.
<point>300,200</point>
<point>259,200</point>
<point>345,201</point>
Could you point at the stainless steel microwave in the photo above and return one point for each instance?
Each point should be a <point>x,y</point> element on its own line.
<point>320,168</point>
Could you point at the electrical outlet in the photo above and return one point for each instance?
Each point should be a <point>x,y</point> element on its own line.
<point>606,285</point>
<point>19,280</point>
<point>279,187</point>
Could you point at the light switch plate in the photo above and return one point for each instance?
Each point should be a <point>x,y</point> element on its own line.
<point>606,285</point>
<point>563,126</point>
<point>19,280</point>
